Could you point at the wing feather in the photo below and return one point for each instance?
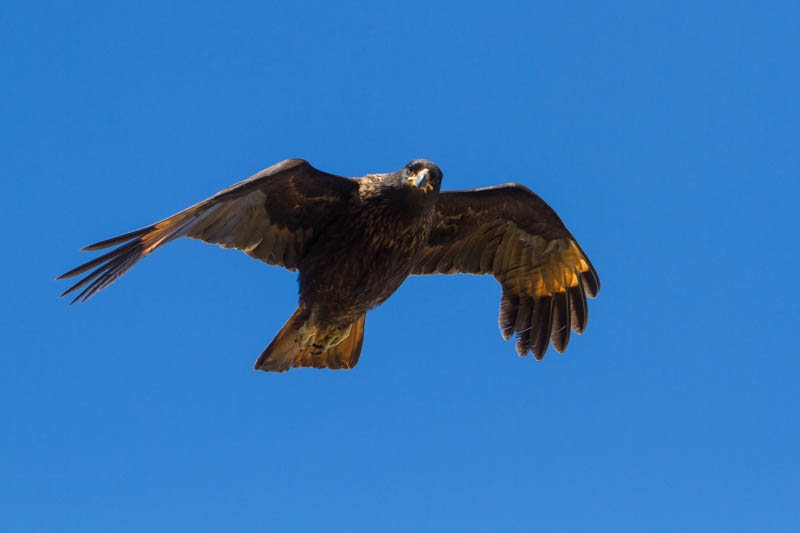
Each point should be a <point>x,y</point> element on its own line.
<point>511,233</point>
<point>541,322</point>
<point>579,311</point>
<point>509,306</point>
<point>559,331</point>
<point>271,216</point>
<point>523,324</point>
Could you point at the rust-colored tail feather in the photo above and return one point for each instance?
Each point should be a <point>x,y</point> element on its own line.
<point>283,352</point>
<point>342,356</point>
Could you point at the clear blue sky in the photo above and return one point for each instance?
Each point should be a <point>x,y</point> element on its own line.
<point>666,136</point>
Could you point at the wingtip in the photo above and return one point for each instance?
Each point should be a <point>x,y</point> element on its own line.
<point>77,299</point>
<point>75,271</point>
<point>98,246</point>
<point>522,350</point>
<point>591,284</point>
<point>559,348</point>
<point>591,280</point>
<point>119,239</point>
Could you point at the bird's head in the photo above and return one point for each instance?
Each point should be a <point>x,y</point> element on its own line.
<point>423,175</point>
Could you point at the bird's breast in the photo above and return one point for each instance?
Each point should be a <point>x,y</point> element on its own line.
<point>360,260</point>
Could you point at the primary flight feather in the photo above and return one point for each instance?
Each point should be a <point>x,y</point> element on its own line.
<point>355,240</point>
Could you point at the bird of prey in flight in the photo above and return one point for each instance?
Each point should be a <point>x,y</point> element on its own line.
<point>354,241</point>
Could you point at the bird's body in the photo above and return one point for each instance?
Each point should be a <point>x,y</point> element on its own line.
<point>355,264</point>
<point>361,260</point>
<point>354,242</point>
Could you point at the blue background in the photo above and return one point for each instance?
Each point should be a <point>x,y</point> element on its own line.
<point>665,135</point>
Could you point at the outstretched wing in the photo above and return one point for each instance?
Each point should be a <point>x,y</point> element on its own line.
<point>272,216</point>
<point>511,233</point>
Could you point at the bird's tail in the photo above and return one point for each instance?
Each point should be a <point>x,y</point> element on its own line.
<point>286,350</point>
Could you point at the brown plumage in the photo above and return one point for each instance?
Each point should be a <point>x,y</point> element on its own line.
<point>354,242</point>
<point>511,233</point>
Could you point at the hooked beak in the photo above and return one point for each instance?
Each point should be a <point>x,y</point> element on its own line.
<point>421,181</point>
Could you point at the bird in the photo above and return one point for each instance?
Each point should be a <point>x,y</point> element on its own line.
<point>354,241</point>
